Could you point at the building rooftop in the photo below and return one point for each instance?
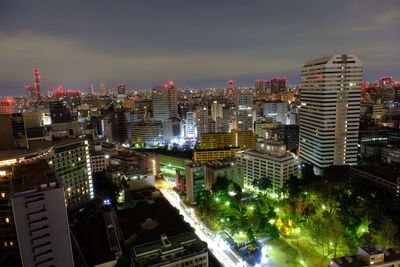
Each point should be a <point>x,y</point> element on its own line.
<point>216,149</point>
<point>253,152</point>
<point>150,218</point>
<point>35,148</point>
<point>168,249</point>
<point>379,171</point>
<point>390,255</point>
<point>221,164</point>
<point>33,176</point>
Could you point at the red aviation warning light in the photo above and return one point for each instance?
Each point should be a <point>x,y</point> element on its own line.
<point>230,82</point>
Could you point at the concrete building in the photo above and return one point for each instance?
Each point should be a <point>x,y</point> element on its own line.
<point>244,110</point>
<point>227,168</point>
<point>382,177</point>
<point>242,139</point>
<point>41,220</point>
<point>172,130</point>
<point>99,161</point>
<point>268,160</point>
<point>190,125</point>
<point>369,256</point>
<point>71,163</point>
<point>135,177</point>
<point>277,110</point>
<point>195,182</point>
<point>165,104</point>
<point>13,132</point>
<point>7,106</point>
<point>150,133</point>
<point>59,112</point>
<point>217,110</point>
<point>204,155</point>
<point>182,250</point>
<point>9,161</point>
<point>330,111</point>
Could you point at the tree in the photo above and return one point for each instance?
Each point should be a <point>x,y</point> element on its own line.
<point>389,231</point>
<point>263,184</point>
<point>104,187</point>
<point>221,184</point>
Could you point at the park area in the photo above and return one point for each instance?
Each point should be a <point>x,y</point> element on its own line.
<point>314,219</point>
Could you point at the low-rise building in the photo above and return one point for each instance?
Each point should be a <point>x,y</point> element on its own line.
<point>378,176</point>
<point>268,160</point>
<point>369,256</point>
<point>99,161</point>
<point>227,168</point>
<point>135,177</point>
<point>180,250</point>
<point>204,155</point>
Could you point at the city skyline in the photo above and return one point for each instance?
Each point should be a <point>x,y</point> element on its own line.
<point>199,44</point>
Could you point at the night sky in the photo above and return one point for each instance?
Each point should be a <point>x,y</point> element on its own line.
<point>197,43</point>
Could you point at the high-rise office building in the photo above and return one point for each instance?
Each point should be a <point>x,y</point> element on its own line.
<point>217,110</point>
<point>40,216</point>
<point>330,110</point>
<point>71,163</point>
<point>244,110</point>
<point>190,125</point>
<point>277,110</point>
<point>164,101</point>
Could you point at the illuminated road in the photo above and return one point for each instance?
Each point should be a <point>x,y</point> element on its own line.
<point>216,245</point>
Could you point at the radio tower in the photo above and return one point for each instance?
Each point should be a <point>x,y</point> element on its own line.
<point>37,82</point>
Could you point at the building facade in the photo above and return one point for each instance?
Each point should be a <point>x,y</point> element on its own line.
<point>268,160</point>
<point>330,110</point>
<point>71,163</point>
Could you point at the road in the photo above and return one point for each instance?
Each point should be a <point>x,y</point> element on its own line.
<point>217,246</point>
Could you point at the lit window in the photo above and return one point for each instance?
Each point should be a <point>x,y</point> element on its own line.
<point>3,195</point>
<point>7,220</point>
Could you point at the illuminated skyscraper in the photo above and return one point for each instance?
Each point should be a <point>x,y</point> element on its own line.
<point>164,102</point>
<point>330,110</point>
<point>71,163</point>
<point>244,110</point>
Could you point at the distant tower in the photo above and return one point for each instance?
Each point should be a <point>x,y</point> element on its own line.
<point>165,101</point>
<point>230,88</point>
<point>33,92</point>
<point>37,82</point>
<point>91,89</point>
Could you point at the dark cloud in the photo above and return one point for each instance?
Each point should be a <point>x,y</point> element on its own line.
<point>195,42</point>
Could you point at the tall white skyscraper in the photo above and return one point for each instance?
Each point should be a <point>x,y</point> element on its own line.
<point>164,102</point>
<point>330,110</point>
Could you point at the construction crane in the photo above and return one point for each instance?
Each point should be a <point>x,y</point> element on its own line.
<point>37,82</point>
